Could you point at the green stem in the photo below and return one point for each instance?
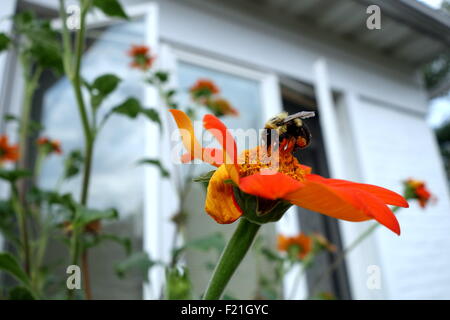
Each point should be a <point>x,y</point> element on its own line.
<point>38,164</point>
<point>89,148</point>
<point>74,257</point>
<point>341,257</point>
<point>31,84</point>
<point>74,75</point>
<point>231,257</point>
<point>23,230</point>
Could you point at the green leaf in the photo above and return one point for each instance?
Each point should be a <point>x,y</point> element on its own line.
<point>4,41</point>
<point>161,76</point>
<point>13,175</point>
<point>102,87</point>
<point>84,216</point>
<point>138,260</point>
<point>53,198</point>
<point>8,222</point>
<point>178,284</point>
<point>130,107</point>
<point>170,93</point>
<point>271,255</point>
<point>39,42</point>
<point>20,293</point>
<point>10,117</point>
<point>204,178</point>
<point>214,241</point>
<point>156,163</point>
<point>106,83</point>
<point>33,126</point>
<point>72,164</point>
<point>125,242</point>
<point>153,115</point>
<point>10,265</point>
<point>111,8</point>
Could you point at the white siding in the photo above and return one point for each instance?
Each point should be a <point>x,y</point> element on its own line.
<point>400,144</point>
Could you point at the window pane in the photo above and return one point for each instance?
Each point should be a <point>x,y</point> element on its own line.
<point>244,94</point>
<point>116,180</point>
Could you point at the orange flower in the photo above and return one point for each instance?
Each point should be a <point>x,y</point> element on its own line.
<point>142,59</point>
<point>291,184</point>
<point>416,189</point>
<point>50,145</point>
<point>301,242</point>
<point>8,152</point>
<point>203,88</point>
<point>221,107</point>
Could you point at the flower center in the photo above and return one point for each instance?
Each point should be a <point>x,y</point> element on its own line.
<point>254,160</point>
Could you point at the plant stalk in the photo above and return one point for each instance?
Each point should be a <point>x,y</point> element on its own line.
<point>231,258</point>
<point>74,75</point>
<point>23,229</point>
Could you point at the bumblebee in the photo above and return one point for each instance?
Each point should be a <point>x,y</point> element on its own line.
<point>292,131</point>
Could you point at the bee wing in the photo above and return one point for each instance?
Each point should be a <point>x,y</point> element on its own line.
<point>301,115</point>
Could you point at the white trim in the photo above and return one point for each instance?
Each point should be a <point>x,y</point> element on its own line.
<point>328,118</point>
<point>368,250</point>
<point>216,64</point>
<point>8,9</point>
<point>152,224</point>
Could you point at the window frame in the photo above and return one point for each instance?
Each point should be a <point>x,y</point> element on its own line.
<point>271,103</point>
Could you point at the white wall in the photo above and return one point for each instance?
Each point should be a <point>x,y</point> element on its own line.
<point>400,144</point>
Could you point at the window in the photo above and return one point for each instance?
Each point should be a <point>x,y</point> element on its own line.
<point>300,97</point>
<point>116,179</point>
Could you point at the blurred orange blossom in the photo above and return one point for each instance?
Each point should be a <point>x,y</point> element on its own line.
<point>8,152</point>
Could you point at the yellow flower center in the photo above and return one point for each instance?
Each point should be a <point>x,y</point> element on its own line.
<point>254,160</point>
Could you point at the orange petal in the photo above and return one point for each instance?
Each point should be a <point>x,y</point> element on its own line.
<point>210,155</point>
<point>269,186</point>
<point>187,133</point>
<point>220,202</point>
<point>385,195</point>
<point>327,200</point>
<point>223,136</point>
<point>342,202</point>
<point>193,147</point>
<point>375,208</point>
<point>226,140</point>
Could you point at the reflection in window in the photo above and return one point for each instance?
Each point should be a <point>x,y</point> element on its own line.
<point>244,94</point>
<point>116,180</point>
